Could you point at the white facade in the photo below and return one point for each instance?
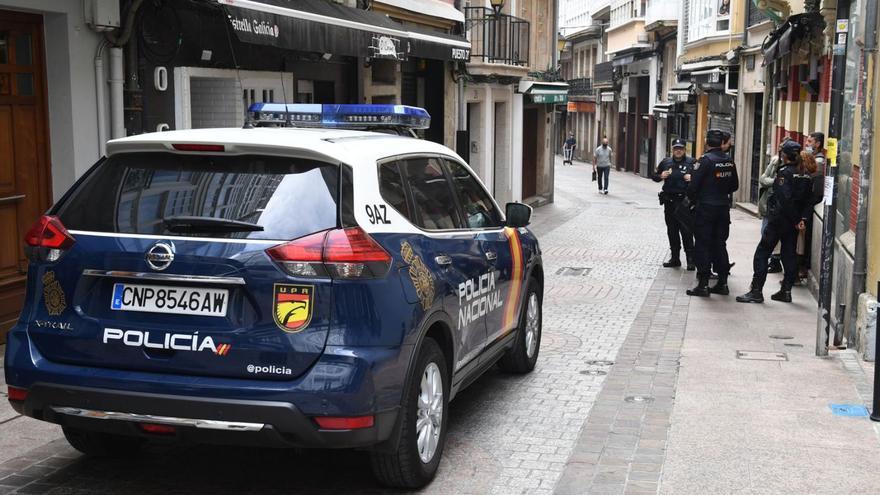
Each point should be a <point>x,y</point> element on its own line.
<point>70,49</point>
<point>574,15</point>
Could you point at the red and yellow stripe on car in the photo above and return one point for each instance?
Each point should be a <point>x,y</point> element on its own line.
<point>516,278</point>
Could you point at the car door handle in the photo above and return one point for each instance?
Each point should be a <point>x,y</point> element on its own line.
<point>491,255</point>
<point>443,260</point>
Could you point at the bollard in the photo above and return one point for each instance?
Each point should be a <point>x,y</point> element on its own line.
<point>875,411</point>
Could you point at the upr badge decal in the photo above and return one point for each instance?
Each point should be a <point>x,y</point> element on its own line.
<point>293,306</point>
<point>53,295</point>
<point>421,278</point>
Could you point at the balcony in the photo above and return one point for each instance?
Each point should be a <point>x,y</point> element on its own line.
<point>662,13</point>
<point>581,87</point>
<point>497,39</point>
<point>625,11</point>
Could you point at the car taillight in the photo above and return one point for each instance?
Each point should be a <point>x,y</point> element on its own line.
<point>341,254</point>
<point>344,423</point>
<point>203,148</point>
<point>17,394</point>
<point>48,238</point>
<point>158,429</point>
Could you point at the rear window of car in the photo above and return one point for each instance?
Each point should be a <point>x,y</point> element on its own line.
<point>150,193</point>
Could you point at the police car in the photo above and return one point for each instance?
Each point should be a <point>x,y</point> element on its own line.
<point>313,286</point>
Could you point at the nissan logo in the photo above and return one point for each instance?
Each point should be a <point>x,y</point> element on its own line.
<point>160,256</point>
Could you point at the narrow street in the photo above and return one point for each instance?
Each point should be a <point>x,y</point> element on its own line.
<point>607,410</point>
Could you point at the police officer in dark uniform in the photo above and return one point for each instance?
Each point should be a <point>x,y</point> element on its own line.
<point>671,171</point>
<point>788,211</point>
<point>710,186</point>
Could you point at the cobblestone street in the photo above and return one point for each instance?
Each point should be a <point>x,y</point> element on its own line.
<point>507,434</point>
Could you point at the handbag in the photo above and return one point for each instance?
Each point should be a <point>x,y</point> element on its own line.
<point>595,178</point>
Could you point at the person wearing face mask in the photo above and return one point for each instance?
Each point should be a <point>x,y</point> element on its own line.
<point>671,172</point>
<point>788,208</point>
<point>815,146</point>
<point>602,165</point>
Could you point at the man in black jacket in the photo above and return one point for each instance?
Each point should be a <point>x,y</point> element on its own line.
<point>710,185</point>
<point>671,171</point>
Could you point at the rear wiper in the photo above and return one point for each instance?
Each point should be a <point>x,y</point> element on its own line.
<point>180,224</point>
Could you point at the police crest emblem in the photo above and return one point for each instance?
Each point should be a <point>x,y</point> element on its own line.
<point>292,306</point>
<point>53,295</point>
<point>421,277</point>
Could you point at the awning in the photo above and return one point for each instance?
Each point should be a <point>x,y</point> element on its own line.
<point>326,27</point>
<point>779,43</point>
<point>544,92</point>
<point>434,8</point>
<point>663,109</point>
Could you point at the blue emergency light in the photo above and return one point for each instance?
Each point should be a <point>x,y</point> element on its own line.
<point>354,116</point>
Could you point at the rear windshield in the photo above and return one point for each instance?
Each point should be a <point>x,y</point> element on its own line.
<point>167,194</point>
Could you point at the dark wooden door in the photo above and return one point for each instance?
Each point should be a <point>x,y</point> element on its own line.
<point>24,164</point>
<point>530,153</point>
<point>755,158</point>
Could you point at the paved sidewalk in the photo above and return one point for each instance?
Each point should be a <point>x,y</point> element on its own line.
<point>716,423</point>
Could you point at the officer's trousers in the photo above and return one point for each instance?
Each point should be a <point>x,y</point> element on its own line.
<point>711,230</point>
<point>676,232</point>
<point>777,230</point>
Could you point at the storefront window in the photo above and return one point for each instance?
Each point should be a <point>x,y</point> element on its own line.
<point>848,148</point>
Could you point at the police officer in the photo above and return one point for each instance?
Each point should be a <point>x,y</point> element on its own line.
<point>671,171</point>
<point>710,186</point>
<point>788,210</point>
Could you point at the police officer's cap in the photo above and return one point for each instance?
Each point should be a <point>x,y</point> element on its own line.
<point>791,148</point>
<point>678,143</point>
<point>714,137</point>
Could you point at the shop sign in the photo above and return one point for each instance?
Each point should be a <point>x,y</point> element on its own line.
<point>581,107</point>
<point>386,47</point>
<point>607,97</point>
<point>461,54</point>
<point>556,98</point>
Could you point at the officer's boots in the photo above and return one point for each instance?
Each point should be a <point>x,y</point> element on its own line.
<point>784,294</point>
<point>674,262</point>
<point>755,295</point>
<point>702,288</point>
<point>775,264</point>
<point>690,261</point>
<point>720,287</point>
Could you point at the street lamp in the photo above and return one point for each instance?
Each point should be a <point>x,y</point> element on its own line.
<point>497,5</point>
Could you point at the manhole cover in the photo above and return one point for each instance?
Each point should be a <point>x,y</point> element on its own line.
<point>793,345</point>
<point>761,356</point>
<point>594,372</point>
<point>644,399</point>
<point>781,337</point>
<point>573,271</point>
<point>599,362</point>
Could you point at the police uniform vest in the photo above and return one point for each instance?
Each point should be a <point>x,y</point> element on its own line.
<point>713,180</point>
<point>792,195</point>
<point>675,183</point>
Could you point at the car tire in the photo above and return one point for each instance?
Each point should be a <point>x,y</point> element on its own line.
<point>408,467</point>
<point>521,358</point>
<point>99,444</point>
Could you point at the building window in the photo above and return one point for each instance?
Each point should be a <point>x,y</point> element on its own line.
<point>708,18</point>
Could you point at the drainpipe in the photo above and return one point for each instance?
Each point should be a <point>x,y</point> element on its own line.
<point>100,93</point>
<point>829,217</point>
<point>860,259</point>
<point>555,59</point>
<point>117,80</point>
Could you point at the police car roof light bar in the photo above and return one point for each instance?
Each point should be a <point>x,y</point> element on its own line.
<point>339,115</point>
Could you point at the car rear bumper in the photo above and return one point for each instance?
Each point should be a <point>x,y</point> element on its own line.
<point>223,421</point>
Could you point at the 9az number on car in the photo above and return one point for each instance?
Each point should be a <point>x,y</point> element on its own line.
<point>378,214</point>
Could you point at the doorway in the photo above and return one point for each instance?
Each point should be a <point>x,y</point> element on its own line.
<point>24,164</point>
<point>755,156</point>
<point>530,153</point>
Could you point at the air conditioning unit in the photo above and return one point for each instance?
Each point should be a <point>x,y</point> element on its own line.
<point>642,38</point>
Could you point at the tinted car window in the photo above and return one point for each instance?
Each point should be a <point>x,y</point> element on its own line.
<point>140,193</point>
<point>391,187</point>
<point>432,196</point>
<point>479,210</point>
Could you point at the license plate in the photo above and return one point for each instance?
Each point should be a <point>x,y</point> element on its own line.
<point>175,300</point>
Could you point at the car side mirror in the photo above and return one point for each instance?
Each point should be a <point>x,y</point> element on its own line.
<point>518,215</point>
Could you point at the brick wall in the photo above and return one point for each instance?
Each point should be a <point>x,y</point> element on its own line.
<point>215,102</point>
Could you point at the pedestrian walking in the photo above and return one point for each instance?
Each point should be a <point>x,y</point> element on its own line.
<point>710,186</point>
<point>671,171</point>
<point>788,209</point>
<point>568,149</point>
<point>602,164</point>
